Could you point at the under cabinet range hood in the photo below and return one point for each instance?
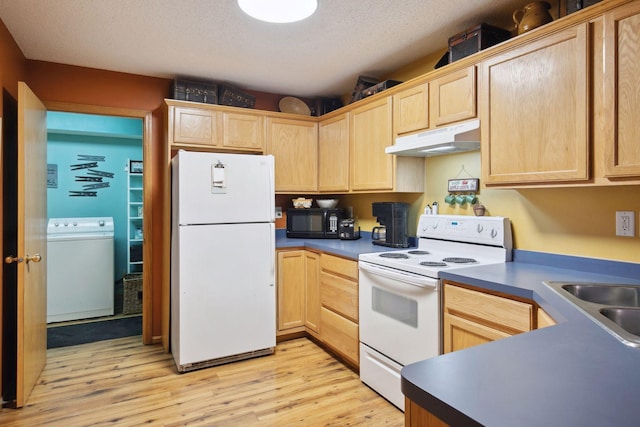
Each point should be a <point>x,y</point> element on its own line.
<point>447,140</point>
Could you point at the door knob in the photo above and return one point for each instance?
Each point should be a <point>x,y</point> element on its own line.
<point>34,258</point>
<point>11,259</point>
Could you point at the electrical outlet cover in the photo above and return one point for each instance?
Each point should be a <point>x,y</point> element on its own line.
<point>625,223</point>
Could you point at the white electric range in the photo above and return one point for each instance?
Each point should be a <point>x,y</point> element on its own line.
<point>399,293</point>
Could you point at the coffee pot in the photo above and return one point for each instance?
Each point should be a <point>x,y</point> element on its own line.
<point>532,16</point>
<point>379,234</point>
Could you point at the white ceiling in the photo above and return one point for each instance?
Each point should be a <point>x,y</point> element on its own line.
<point>212,39</point>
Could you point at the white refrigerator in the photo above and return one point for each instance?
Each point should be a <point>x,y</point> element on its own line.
<point>223,294</point>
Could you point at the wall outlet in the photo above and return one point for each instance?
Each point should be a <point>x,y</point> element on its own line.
<point>625,224</point>
<point>278,212</point>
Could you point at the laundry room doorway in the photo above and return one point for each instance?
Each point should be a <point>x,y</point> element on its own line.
<point>95,211</point>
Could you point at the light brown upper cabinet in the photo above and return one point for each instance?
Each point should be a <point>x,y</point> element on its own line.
<point>333,154</point>
<point>294,144</point>
<point>534,111</point>
<point>210,127</point>
<point>441,101</point>
<point>193,126</point>
<point>411,109</point>
<point>621,95</point>
<point>243,131</point>
<point>452,97</point>
<point>371,132</point>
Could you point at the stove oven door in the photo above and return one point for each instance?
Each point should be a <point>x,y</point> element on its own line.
<point>399,313</point>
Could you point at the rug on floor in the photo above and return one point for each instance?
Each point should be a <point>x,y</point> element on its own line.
<point>82,333</point>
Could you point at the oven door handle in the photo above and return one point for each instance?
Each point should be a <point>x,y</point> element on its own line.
<point>403,276</point>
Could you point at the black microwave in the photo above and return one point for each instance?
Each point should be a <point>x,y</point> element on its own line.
<point>314,223</point>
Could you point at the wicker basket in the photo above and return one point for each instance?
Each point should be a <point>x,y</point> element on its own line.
<point>132,293</point>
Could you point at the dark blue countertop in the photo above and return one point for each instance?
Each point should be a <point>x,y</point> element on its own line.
<point>571,374</point>
<point>346,248</point>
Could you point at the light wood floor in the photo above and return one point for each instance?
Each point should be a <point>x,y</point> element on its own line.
<point>124,383</point>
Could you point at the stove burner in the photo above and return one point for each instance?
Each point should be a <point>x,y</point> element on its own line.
<point>457,260</point>
<point>433,263</point>
<point>394,255</point>
<point>418,252</point>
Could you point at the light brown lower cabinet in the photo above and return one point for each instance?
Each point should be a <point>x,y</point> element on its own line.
<point>312,292</point>
<point>318,294</point>
<point>291,275</point>
<point>544,319</point>
<point>472,317</point>
<point>339,328</point>
<point>416,416</point>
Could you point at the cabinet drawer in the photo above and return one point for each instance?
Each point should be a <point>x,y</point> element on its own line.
<point>503,313</point>
<point>340,334</point>
<point>339,294</point>
<point>344,267</point>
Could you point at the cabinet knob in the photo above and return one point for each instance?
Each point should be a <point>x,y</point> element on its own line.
<point>11,259</point>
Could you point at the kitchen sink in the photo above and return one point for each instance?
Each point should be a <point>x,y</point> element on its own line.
<point>625,317</point>
<point>614,307</point>
<point>620,295</point>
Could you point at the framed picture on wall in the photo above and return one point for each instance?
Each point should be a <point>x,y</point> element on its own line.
<point>52,175</point>
<point>135,166</point>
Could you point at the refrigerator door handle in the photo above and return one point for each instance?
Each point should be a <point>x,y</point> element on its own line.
<point>273,258</point>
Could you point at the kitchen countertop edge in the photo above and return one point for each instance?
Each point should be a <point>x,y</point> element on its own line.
<point>346,248</point>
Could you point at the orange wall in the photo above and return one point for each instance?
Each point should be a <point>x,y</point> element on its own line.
<point>12,64</point>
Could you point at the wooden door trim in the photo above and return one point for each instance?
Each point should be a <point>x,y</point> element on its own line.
<point>146,116</point>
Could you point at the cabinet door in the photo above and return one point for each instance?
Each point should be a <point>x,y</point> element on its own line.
<point>194,126</point>
<point>244,131</point>
<point>291,278</point>
<point>472,317</point>
<point>312,291</point>
<point>333,154</point>
<point>411,109</point>
<point>544,319</point>
<point>460,333</point>
<point>416,416</point>
<point>453,97</point>
<point>534,111</point>
<point>294,144</point>
<point>371,132</point>
<point>621,94</point>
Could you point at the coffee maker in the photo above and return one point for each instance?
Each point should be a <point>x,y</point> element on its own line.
<point>394,217</point>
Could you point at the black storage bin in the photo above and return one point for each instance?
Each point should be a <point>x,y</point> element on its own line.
<point>474,40</point>
<point>195,91</point>
<point>568,7</point>
<point>379,87</point>
<point>232,96</point>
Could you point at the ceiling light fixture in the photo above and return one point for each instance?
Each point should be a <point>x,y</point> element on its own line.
<point>279,11</point>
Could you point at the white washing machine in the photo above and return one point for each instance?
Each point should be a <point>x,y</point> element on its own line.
<point>80,275</point>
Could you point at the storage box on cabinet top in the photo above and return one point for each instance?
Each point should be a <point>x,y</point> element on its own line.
<point>195,91</point>
<point>474,40</point>
<point>567,7</point>
<point>379,87</point>
<point>232,96</point>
